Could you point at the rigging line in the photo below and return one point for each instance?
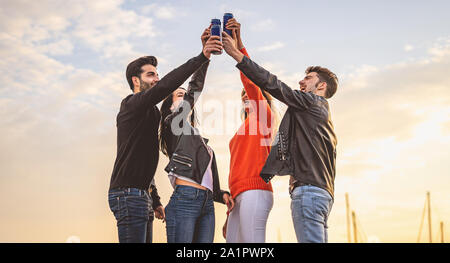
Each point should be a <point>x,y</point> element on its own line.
<point>435,211</point>
<point>361,230</point>
<point>421,222</point>
<point>361,238</point>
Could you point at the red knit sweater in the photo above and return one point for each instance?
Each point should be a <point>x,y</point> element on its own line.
<point>250,146</point>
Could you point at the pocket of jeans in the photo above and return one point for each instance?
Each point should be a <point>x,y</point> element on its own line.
<point>186,193</point>
<point>322,207</point>
<point>118,207</point>
<point>137,206</point>
<point>113,203</point>
<point>295,195</point>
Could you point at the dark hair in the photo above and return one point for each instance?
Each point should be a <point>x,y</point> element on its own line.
<point>134,69</point>
<point>325,75</point>
<point>165,128</point>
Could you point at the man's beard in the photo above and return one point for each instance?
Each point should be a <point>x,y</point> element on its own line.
<point>315,87</point>
<point>144,85</point>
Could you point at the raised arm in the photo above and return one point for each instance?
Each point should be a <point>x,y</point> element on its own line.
<point>278,89</point>
<point>267,81</point>
<point>176,77</point>
<point>181,113</point>
<point>168,84</point>
<point>254,93</point>
<point>196,84</point>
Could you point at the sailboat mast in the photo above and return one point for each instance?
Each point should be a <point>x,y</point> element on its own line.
<point>355,230</point>
<point>429,218</point>
<point>349,231</point>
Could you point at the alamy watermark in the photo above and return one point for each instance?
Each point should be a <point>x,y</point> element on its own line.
<point>222,117</point>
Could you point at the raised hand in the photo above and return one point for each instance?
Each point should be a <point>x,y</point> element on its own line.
<point>213,44</point>
<point>235,28</point>
<point>205,36</point>
<point>230,47</point>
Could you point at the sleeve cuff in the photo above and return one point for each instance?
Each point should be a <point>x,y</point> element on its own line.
<point>156,204</point>
<point>243,62</point>
<point>202,57</point>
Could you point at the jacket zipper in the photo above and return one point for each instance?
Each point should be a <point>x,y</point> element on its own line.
<point>281,147</point>
<point>182,157</point>
<point>178,161</point>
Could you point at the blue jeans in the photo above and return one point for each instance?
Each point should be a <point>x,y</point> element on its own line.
<point>190,216</point>
<point>133,211</point>
<point>310,209</point>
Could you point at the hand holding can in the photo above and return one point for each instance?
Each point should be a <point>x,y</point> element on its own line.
<point>216,31</point>
<point>226,17</point>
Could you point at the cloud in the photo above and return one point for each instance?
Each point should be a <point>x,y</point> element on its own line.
<point>263,25</point>
<point>97,30</point>
<point>270,47</point>
<point>237,12</point>
<point>57,48</point>
<point>55,121</point>
<point>408,48</point>
<point>440,49</point>
<point>166,12</point>
<point>58,27</point>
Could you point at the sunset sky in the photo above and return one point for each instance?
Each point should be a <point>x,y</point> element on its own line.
<point>62,79</point>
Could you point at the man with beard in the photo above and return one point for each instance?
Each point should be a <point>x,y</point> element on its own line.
<point>137,141</point>
<point>305,146</point>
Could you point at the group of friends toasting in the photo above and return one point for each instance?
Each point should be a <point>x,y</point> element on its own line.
<point>302,146</point>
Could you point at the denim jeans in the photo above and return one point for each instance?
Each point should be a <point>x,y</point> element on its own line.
<point>190,216</point>
<point>310,207</point>
<point>133,211</point>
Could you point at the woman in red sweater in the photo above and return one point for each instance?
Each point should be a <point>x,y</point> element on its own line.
<point>249,148</point>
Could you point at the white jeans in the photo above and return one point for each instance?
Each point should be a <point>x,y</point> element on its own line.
<point>247,221</point>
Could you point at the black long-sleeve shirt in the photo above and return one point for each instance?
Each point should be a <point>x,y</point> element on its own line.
<point>137,129</point>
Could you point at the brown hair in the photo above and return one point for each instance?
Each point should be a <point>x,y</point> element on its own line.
<point>325,75</point>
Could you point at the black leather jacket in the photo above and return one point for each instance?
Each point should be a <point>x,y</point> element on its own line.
<point>305,145</point>
<point>188,154</point>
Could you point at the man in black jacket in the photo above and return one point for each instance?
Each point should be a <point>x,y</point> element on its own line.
<point>305,146</point>
<point>137,141</point>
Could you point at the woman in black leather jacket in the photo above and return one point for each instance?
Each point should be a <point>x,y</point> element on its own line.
<point>192,167</point>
